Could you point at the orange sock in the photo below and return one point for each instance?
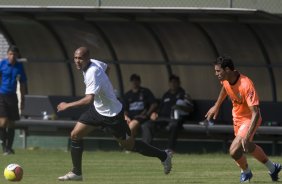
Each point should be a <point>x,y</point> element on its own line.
<point>242,163</point>
<point>259,154</point>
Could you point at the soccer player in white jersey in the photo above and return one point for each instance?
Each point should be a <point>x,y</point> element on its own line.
<point>105,112</point>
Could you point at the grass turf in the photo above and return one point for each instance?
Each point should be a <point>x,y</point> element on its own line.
<point>44,166</point>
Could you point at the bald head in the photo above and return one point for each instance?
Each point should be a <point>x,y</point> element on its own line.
<point>84,51</point>
<point>82,58</point>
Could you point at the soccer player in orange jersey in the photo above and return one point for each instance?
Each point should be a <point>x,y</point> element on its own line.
<point>246,117</point>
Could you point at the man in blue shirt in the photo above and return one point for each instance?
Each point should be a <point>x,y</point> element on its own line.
<point>11,71</point>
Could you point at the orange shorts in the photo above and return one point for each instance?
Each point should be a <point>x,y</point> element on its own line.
<point>242,129</point>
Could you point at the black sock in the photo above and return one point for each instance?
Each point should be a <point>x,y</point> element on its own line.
<point>76,155</point>
<point>10,138</point>
<point>3,136</point>
<point>148,150</point>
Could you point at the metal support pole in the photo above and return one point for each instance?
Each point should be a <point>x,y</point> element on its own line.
<point>230,3</point>
<point>23,135</point>
<point>98,2</point>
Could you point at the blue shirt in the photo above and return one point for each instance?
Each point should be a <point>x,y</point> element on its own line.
<point>9,74</point>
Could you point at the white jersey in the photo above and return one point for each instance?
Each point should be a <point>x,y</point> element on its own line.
<point>98,83</point>
<point>100,64</point>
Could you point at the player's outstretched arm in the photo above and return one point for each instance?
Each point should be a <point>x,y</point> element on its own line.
<point>88,99</point>
<point>214,110</point>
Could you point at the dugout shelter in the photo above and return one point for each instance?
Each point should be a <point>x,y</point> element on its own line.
<point>151,42</point>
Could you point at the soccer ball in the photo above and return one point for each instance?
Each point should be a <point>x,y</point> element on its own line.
<point>13,172</point>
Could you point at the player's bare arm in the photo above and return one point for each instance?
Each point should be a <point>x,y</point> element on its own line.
<point>88,99</point>
<point>213,111</point>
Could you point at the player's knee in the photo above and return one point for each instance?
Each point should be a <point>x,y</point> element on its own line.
<point>74,135</point>
<point>235,153</point>
<point>231,152</point>
<point>3,122</point>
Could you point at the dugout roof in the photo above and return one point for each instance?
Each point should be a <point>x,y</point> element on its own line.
<point>153,42</point>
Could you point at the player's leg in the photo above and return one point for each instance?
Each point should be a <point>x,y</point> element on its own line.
<point>87,122</point>
<point>80,130</point>
<point>3,122</point>
<point>122,133</point>
<point>236,152</point>
<point>11,102</point>
<point>173,128</point>
<point>148,150</point>
<point>258,153</point>
<point>273,168</point>
<point>10,137</point>
<point>134,126</point>
<point>3,132</point>
<point>148,129</point>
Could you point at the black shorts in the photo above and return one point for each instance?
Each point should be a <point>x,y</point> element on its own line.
<point>115,125</point>
<point>9,106</point>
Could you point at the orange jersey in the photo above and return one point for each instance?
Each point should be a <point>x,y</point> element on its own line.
<point>242,95</point>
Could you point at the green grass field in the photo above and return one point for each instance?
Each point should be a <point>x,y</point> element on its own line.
<point>44,166</point>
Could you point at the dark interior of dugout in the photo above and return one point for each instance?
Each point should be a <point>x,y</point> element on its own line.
<point>188,142</point>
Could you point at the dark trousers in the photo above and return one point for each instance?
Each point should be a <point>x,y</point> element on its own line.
<point>7,137</point>
<point>150,128</point>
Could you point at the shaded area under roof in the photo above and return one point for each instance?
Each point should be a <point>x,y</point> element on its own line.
<point>154,42</point>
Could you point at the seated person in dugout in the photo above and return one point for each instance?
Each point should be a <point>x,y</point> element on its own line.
<point>139,103</point>
<point>175,106</point>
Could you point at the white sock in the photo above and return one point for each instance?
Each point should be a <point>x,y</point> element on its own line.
<point>270,166</point>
